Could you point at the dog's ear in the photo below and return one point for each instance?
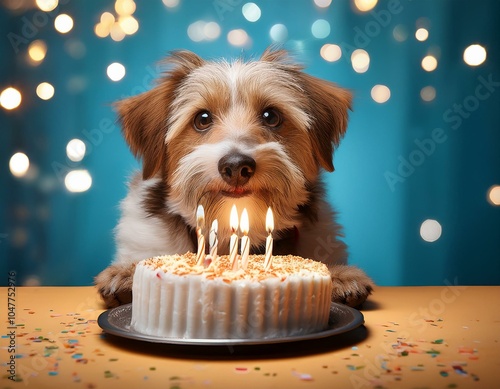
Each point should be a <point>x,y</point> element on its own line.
<point>144,117</point>
<point>329,105</point>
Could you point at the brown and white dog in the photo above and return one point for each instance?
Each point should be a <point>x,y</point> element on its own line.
<point>255,134</point>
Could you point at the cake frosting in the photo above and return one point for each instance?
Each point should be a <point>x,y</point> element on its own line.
<point>174,297</point>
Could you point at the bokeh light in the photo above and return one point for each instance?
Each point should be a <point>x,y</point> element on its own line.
<point>323,3</point>
<point>37,50</point>
<point>494,195</point>
<point>475,55</point>
<point>428,93</point>
<point>107,18</point>
<point>330,52</point>
<point>32,280</point>
<point>116,32</point>
<point>171,3</point>
<point>320,29</point>
<point>360,60</point>
<point>47,5</point>
<point>10,98</point>
<point>238,37</point>
<point>63,23</point>
<point>45,91</point>
<point>278,33</point>
<point>365,5</point>
<point>115,71</point>
<point>203,31</point>
<point>19,164</point>
<point>430,230</point>
<point>75,150</point>
<point>78,181</point>
<point>251,12</point>
<point>75,48</point>
<point>212,31</point>
<point>429,63</point>
<point>128,24</point>
<point>400,33</point>
<point>76,84</point>
<point>101,31</point>
<point>195,31</point>
<point>380,93</point>
<point>125,7</point>
<point>421,34</point>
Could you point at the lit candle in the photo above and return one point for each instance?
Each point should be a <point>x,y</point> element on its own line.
<point>200,223</point>
<point>233,245</point>
<point>245,240</point>
<point>269,240</point>
<point>213,240</point>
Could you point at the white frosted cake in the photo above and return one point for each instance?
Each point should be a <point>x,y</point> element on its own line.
<point>173,297</point>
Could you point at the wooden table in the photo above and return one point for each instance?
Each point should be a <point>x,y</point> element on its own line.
<point>413,337</point>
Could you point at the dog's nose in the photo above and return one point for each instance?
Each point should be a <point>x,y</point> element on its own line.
<point>236,169</point>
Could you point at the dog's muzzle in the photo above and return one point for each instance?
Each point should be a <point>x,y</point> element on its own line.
<point>236,169</point>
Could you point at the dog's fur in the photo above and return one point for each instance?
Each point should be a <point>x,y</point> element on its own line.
<point>182,164</point>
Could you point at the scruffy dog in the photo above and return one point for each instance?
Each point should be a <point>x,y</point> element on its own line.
<point>255,134</point>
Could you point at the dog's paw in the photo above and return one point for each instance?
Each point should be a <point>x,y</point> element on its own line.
<point>115,284</point>
<point>351,286</point>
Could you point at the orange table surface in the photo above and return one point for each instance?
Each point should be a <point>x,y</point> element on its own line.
<point>413,337</point>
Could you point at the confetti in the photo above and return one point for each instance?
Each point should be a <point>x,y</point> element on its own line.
<point>459,370</point>
<point>301,376</point>
<point>433,352</point>
<point>306,377</point>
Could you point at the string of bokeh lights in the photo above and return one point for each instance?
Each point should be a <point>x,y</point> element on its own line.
<point>120,23</point>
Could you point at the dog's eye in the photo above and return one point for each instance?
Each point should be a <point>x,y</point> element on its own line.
<point>271,118</point>
<point>203,121</point>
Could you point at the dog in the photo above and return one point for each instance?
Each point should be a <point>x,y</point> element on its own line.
<point>254,133</point>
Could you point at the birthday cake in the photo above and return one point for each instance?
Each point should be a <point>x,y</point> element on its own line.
<point>175,297</point>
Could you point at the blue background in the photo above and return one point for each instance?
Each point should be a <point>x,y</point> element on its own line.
<point>50,236</point>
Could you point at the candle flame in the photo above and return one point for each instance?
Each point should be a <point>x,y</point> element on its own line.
<point>269,221</point>
<point>233,219</point>
<point>244,223</point>
<point>200,217</point>
<point>213,232</point>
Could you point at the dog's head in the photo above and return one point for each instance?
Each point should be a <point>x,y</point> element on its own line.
<point>254,134</point>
